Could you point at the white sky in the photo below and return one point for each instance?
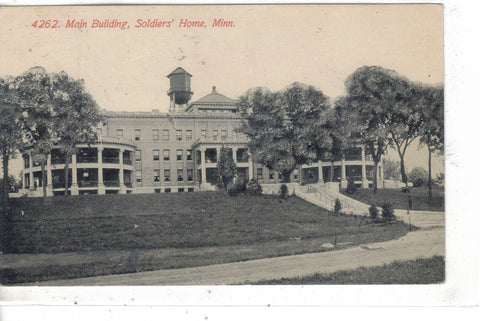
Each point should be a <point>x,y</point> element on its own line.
<point>270,46</point>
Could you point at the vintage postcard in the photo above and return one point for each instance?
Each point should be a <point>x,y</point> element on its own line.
<point>224,145</point>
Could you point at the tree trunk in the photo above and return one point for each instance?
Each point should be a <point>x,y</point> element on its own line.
<point>5,196</point>
<point>286,175</point>
<point>402,169</point>
<point>44,181</point>
<point>430,196</point>
<point>375,169</point>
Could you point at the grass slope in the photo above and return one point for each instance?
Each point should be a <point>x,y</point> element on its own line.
<point>399,199</point>
<point>420,271</point>
<point>130,233</point>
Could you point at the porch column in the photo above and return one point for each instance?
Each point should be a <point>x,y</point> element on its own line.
<point>343,182</point>
<point>23,179</point>
<point>30,170</point>
<point>101,185</point>
<point>123,188</point>
<point>203,165</point>
<point>49,176</point>
<point>218,154</point>
<point>364,170</point>
<point>74,188</point>
<point>250,167</point>
<point>320,172</point>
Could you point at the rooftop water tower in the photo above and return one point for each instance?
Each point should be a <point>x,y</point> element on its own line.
<point>179,92</point>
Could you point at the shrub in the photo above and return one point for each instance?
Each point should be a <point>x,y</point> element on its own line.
<point>387,211</point>
<point>373,211</point>
<point>418,176</point>
<point>351,188</point>
<point>337,207</point>
<point>284,191</point>
<point>254,188</point>
<point>236,189</point>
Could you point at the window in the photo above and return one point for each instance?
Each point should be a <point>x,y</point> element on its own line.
<point>138,155</point>
<point>259,173</point>
<point>189,155</point>
<point>190,175</point>
<point>224,134</point>
<point>99,132</point>
<point>178,135</point>
<point>190,190</point>
<point>215,134</point>
<point>179,154</point>
<point>204,133</point>
<point>181,190</point>
<point>168,190</point>
<point>156,175</point>
<point>166,175</point>
<point>155,135</point>
<point>166,154</point>
<point>295,174</point>
<point>120,133</point>
<point>156,155</point>
<point>166,134</point>
<point>137,134</point>
<point>271,175</point>
<point>188,135</point>
<point>180,175</point>
<point>138,176</point>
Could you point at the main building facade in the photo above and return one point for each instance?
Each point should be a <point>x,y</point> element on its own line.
<point>153,152</point>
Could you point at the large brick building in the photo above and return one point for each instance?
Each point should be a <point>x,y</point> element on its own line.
<point>147,152</point>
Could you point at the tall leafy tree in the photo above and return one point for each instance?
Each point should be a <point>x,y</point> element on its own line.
<point>431,105</point>
<point>76,115</point>
<point>11,129</point>
<point>405,118</point>
<point>283,127</point>
<point>370,92</point>
<point>226,168</point>
<point>34,94</point>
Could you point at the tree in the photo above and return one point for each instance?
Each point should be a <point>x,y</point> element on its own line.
<point>34,92</point>
<point>431,104</point>
<point>342,131</point>
<point>369,91</point>
<point>11,129</point>
<point>418,176</point>
<point>388,103</point>
<point>404,117</point>
<point>391,169</point>
<point>226,168</point>
<point>284,128</point>
<point>76,115</point>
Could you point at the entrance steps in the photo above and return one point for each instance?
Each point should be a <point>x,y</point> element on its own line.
<point>324,196</point>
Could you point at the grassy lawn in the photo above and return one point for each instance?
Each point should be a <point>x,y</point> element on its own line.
<point>419,196</point>
<point>420,271</point>
<point>129,233</point>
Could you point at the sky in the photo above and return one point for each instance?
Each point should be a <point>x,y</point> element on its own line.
<point>271,46</point>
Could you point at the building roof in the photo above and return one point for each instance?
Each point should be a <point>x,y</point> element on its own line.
<point>215,98</point>
<point>179,70</point>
